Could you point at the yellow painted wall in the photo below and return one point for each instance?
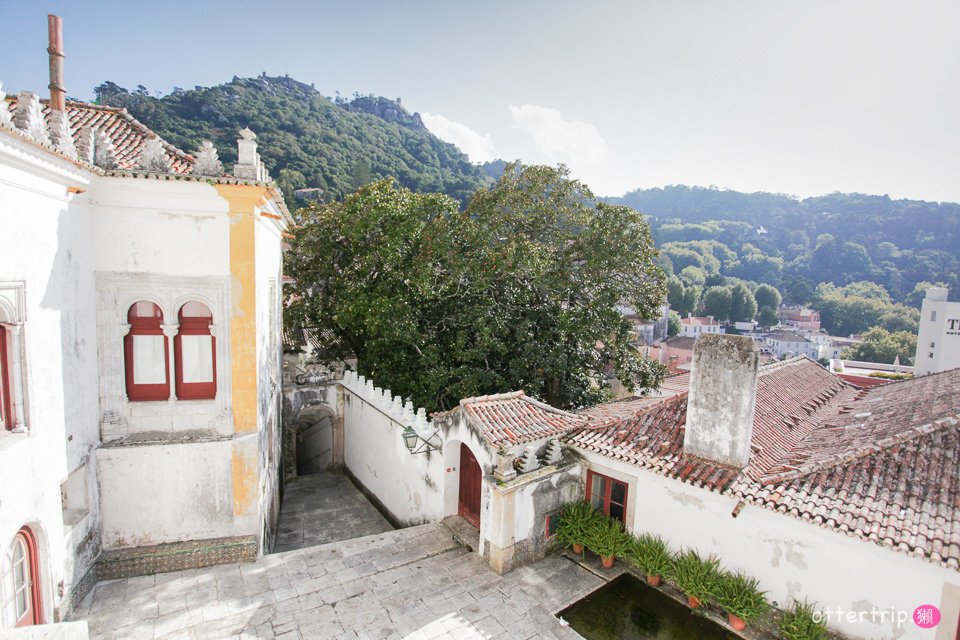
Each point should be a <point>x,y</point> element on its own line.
<point>243,201</point>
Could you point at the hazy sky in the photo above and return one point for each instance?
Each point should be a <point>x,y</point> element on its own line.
<point>801,97</point>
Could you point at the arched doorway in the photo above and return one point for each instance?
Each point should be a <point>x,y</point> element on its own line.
<point>471,478</point>
<point>21,581</point>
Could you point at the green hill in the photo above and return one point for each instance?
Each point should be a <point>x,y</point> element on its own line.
<point>306,139</point>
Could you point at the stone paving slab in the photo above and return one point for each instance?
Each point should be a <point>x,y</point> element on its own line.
<point>411,584</point>
<point>322,508</point>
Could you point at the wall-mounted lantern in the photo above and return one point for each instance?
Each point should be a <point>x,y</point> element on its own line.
<point>416,444</point>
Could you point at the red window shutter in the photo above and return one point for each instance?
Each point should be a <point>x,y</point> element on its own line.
<point>195,371</point>
<point>145,319</point>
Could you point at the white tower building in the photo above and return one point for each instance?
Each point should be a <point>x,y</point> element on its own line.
<point>938,342</point>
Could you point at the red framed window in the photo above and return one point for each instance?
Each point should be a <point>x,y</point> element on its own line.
<point>6,405</point>
<point>194,354</point>
<point>146,354</point>
<point>607,495</point>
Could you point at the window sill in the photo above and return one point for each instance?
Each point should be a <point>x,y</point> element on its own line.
<point>10,439</point>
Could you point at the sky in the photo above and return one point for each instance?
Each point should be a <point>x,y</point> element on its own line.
<point>798,97</point>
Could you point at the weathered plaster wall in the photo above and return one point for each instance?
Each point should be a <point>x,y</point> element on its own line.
<point>45,247</point>
<point>518,511</point>
<point>791,558</point>
<point>409,486</point>
<point>176,492</point>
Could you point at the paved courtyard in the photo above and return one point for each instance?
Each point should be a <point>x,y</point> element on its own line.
<point>410,584</point>
<point>322,508</point>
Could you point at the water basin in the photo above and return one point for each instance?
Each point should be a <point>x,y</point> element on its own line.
<point>629,609</point>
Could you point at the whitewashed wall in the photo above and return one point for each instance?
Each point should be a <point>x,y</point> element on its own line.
<point>791,558</point>
<point>410,486</point>
<point>171,492</point>
<point>45,245</point>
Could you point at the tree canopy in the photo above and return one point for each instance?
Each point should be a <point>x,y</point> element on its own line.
<point>518,291</point>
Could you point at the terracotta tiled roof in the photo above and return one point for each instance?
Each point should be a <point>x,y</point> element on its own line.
<point>679,383</point>
<point>127,133</point>
<point>680,342</point>
<point>514,418</point>
<point>786,336</point>
<point>881,464</point>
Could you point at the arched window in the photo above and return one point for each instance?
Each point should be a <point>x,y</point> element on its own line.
<point>194,351</point>
<point>146,354</point>
<point>21,582</point>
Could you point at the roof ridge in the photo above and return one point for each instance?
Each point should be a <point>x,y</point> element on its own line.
<point>508,395</point>
<point>767,367</point>
<point>837,459</point>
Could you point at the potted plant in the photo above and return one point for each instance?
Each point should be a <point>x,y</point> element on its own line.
<point>650,554</point>
<point>575,522</point>
<point>607,539</point>
<point>740,597</point>
<point>696,576</point>
<point>801,623</point>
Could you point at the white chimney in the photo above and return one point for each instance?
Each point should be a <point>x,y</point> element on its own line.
<point>723,394</point>
<point>248,160</point>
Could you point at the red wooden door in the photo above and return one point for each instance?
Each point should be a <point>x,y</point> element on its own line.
<point>470,479</point>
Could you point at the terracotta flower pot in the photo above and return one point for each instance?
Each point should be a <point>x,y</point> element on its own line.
<point>577,547</point>
<point>607,561</point>
<point>736,623</point>
<point>693,602</point>
<point>653,581</point>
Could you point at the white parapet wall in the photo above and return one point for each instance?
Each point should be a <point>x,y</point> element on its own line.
<point>408,485</point>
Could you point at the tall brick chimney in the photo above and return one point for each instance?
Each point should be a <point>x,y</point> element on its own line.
<point>723,394</point>
<point>55,49</point>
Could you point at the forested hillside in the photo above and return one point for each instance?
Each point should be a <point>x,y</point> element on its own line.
<point>306,139</point>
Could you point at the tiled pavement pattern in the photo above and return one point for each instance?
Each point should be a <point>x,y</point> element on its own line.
<point>411,584</point>
<point>322,508</point>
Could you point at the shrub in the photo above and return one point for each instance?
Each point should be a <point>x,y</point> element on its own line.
<point>738,594</point>
<point>651,555</point>
<point>607,538</point>
<point>799,624</point>
<point>576,520</point>
<point>696,576</point>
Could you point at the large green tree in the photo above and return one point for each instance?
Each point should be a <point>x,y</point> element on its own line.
<point>880,345</point>
<point>519,291</point>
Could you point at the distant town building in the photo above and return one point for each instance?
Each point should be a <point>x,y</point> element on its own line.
<point>870,374</point>
<point>938,343</point>
<point>693,326</point>
<point>786,344</point>
<point>652,331</point>
<point>677,352</point>
<point>799,318</point>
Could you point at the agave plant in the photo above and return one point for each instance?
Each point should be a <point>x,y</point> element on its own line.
<point>607,539</point>
<point>696,576</point>
<point>801,623</point>
<point>741,598</point>
<point>651,555</point>
<point>576,521</point>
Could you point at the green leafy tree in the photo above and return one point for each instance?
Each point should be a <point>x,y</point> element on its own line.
<point>743,306</point>
<point>674,324</point>
<point>880,345</point>
<point>767,296</point>
<point>519,291</point>
<point>767,317</point>
<point>718,302</point>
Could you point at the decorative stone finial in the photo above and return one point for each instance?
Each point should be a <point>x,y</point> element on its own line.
<point>248,160</point>
<point>504,471</point>
<point>104,156</point>
<point>529,461</point>
<point>28,117</point>
<point>153,157</point>
<point>85,144</point>
<point>61,134</point>
<point>4,109</point>
<point>554,453</point>
<point>207,162</point>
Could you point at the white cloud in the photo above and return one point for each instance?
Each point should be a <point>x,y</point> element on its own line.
<point>479,146</point>
<point>570,141</point>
